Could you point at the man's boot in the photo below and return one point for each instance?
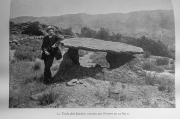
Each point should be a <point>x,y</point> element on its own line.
<point>47,76</point>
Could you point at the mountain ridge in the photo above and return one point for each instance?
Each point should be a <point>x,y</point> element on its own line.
<point>155,24</point>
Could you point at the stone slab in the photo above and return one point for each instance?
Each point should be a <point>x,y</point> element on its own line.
<point>92,44</point>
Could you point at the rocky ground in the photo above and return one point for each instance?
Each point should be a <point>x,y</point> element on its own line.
<point>96,93</point>
<point>125,87</point>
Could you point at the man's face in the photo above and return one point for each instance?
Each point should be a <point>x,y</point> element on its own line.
<point>51,32</point>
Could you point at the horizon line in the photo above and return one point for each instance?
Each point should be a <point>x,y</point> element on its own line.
<point>96,14</point>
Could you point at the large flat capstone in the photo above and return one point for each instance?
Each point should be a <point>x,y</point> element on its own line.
<point>92,44</point>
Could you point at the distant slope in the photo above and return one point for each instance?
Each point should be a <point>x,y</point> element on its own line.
<point>156,24</point>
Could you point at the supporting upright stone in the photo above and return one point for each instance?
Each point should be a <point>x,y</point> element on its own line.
<point>73,55</point>
<point>116,60</point>
<point>64,66</point>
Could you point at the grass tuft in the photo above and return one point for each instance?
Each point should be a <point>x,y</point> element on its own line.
<point>161,88</point>
<point>47,98</point>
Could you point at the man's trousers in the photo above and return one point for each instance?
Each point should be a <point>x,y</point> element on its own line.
<point>48,61</point>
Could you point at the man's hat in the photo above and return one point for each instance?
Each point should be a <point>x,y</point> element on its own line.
<point>50,27</point>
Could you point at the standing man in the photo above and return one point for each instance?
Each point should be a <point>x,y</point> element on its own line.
<point>50,43</point>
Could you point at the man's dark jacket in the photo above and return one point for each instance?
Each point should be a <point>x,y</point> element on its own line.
<point>48,43</point>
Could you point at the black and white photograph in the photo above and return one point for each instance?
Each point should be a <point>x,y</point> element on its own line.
<point>92,54</point>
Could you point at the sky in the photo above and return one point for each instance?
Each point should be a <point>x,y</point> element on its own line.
<point>40,8</point>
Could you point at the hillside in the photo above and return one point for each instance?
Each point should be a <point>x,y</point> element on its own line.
<point>102,80</point>
<point>156,24</point>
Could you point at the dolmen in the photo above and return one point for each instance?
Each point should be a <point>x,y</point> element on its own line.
<point>117,55</point>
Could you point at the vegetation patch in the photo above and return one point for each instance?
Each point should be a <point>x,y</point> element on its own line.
<point>150,79</point>
<point>146,54</point>
<point>29,49</point>
<point>152,67</point>
<point>47,98</point>
<point>158,69</point>
<point>148,66</point>
<point>162,61</point>
<point>161,81</point>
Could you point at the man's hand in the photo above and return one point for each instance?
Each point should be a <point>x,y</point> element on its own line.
<point>54,46</point>
<point>47,53</point>
<point>61,44</point>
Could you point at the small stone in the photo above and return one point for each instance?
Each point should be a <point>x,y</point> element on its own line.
<point>37,96</point>
<point>115,107</point>
<point>73,82</point>
<point>80,82</point>
<point>114,90</point>
<point>85,85</point>
<point>34,97</point>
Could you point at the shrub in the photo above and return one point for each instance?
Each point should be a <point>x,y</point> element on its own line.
<point>161,88</point>
<point>47,98</point>
<point>22,54</point>
<point>166,81</point>
<point>150,80</point>
<point>173,67</point>
<point>28,50</point>
<point>146,54</point>
<point>26,54</point>
<point>172,62</point>
<point>170,67</point>
<point>12,60</point>
<point>122,97</point>
<point>152,67</point>
<point>33,29</point>
<point>13,46</point>
<point>146,99</point>
<point>162,61</point>
<point>148,66</point>
<point>158,69</point>
<point>153,78</point>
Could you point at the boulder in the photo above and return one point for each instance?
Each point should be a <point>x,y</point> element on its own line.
<point>92,44</point>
